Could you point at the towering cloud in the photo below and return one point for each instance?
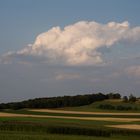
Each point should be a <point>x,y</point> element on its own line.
<point>79,44</point>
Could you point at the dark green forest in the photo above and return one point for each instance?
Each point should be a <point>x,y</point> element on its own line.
<point>63,101</point>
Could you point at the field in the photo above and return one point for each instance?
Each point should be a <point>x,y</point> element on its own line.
<point>34,136</point>
<point>94,106</point>
<point>76,123</point>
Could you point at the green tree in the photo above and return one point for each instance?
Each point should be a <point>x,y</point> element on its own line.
<point>125,99</point>
<point>132,98</point>
<point>114,96</point>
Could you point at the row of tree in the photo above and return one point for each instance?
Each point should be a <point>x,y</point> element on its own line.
<point>62,101</point>
<point>131,98</point>
<point>57,102</point>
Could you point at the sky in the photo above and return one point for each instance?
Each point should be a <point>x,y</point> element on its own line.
<point>68,47</point>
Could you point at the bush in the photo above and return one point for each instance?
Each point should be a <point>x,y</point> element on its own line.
<point>125,99</point>
<point>106,106</point>
<point>132,98</point>
<point>117,107</point>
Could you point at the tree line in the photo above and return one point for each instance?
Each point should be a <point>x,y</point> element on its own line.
<point>61,101</point>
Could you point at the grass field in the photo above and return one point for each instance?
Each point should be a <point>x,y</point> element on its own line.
<point>35,134</point>
<point>41,136</point>
<point>20,128</point>
<point>94,106</point>
<point>48,128</point>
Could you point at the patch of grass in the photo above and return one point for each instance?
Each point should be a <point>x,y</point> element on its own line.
<point>96,128</point>
<point>21,128</point>
<point>114,102</point>
<point>55,121</point>
<point>36,136</point>
<point>24,111</point>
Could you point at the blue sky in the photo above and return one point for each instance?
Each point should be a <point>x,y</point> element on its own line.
<point>21,21</point>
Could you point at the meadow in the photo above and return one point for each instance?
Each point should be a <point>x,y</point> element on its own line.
<point>39,128</point>
<point>94,107</point>
<point>57,124</point>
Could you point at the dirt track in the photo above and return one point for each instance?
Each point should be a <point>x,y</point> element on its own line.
<point>76,118</point>
<point>126,126</point>
<point>81,112</point>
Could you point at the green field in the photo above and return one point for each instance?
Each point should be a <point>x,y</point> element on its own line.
<point>36,128</point>
<point>41,136</point>
<point>39,128</point>
<point>94,106</point>
<point>24,111</point>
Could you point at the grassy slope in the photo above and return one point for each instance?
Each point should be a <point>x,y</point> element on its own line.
<point>94,106</point>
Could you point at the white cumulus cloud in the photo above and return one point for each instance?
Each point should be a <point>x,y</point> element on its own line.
<point>79,43</point>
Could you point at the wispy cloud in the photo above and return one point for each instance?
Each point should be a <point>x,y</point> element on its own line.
<point>67,76</point>
<point>133,71</point>
<point>77,44</point>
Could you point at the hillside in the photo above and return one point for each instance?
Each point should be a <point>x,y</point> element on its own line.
<point>110,105</point>
<point>112,102</point>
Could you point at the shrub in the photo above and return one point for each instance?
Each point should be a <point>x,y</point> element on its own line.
<point>132,98</point>
<point>125,99</point>
<point>106,106</point>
